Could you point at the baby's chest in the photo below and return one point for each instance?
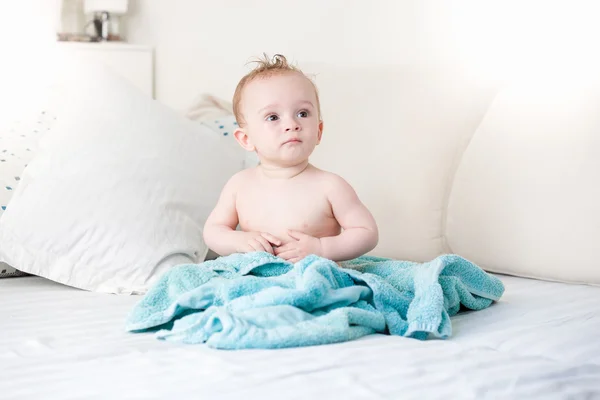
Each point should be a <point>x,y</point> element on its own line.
<point>291,208</point>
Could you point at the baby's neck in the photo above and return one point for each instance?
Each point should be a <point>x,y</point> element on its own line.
<point>279,172</point>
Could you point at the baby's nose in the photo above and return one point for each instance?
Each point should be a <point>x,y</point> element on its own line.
<point>293,127</point>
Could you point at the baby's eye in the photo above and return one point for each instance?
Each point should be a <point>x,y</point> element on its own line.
<point>272,118</point>
<point>303,114</point>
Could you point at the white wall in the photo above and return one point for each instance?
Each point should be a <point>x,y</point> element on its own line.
<point>27,31</point>
<point>198,40</point>
<point>493,39</point>
<point>194,39</point>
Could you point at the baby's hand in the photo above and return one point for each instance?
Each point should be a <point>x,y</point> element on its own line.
<point>296,250</point>
<point>257,241</point>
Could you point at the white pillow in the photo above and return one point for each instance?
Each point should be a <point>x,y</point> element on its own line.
<point>526,199</point>
<point>118,192</point>
<point>18,144</point>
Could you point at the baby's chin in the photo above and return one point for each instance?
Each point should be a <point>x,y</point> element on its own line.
<point>294,157</point>
<point>286,162</point>
<point>286,156</point>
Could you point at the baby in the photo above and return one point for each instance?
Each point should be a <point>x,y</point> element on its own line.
<point>285,205</point>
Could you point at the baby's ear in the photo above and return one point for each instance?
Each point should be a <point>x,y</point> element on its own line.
<point>320,131</point>
<point>243,139</point>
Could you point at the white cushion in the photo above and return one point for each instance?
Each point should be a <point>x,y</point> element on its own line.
<point>18,144</point>
<point>526,197</point>
<point>395,133</point>
<point>118,192</point>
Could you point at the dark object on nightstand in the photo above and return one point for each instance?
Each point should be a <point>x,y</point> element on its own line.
<point>101,23</point>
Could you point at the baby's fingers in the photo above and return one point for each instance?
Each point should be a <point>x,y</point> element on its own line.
<point>286,255</point>
<point>264,244</point>
<point>285,248</point>
<point>271,238</point>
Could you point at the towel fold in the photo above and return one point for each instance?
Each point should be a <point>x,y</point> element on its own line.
<point>257,300</point>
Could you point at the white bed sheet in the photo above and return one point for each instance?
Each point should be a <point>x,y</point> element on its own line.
<point>541,341</point>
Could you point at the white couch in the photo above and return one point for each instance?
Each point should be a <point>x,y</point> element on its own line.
<point>507,176</point>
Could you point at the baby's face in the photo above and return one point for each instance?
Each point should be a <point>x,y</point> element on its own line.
<point>281,118</point>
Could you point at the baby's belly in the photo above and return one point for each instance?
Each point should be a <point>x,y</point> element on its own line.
<point>279,227</point>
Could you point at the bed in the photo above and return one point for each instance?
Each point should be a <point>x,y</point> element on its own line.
<point>539,341</point>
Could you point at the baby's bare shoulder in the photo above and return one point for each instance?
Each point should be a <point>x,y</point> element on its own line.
<point>242,177</point>
<point>331,180</point>
<point>236,183</point>
<point>339,192</point>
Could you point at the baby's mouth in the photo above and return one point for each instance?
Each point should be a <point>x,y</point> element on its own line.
<point>295,140</point>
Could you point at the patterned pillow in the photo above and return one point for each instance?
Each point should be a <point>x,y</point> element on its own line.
<point>18,143</point>
<point>217,114</point>
<point>224,126</point>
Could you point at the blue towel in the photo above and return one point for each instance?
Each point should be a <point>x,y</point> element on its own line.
<point>257,300</point>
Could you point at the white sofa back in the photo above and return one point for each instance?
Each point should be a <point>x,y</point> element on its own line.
<point>396,134</point>
<point>507,178</point>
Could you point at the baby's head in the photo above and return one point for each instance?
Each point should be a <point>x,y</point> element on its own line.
<point>278,112</point>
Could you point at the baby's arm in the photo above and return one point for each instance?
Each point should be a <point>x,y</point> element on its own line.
<point>360,233</point>
<point>220,233</point>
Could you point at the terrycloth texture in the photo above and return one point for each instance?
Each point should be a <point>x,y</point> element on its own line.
<point>256,300</point>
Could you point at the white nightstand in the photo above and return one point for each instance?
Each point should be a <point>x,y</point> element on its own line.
<point>133,62</point>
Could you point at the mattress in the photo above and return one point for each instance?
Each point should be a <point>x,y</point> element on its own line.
<point>540,341</point>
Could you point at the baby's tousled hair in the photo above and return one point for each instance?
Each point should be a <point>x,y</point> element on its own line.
<point>265,68</point>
